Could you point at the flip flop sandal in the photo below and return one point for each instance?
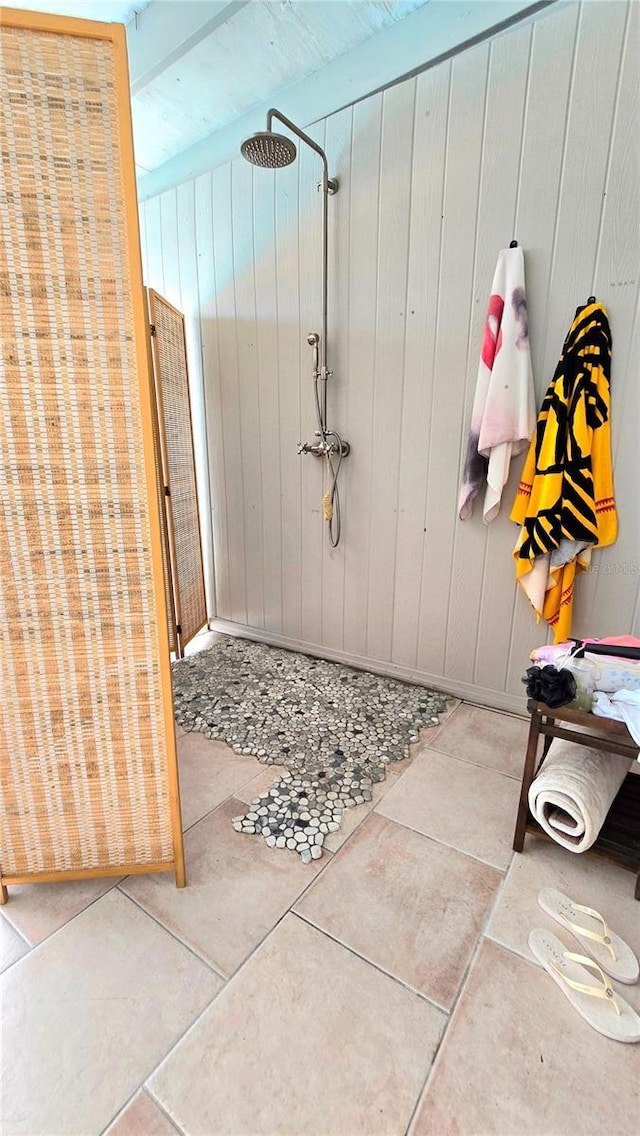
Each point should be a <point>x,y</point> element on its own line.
<point>605,1011</point>
<point>611,952</point>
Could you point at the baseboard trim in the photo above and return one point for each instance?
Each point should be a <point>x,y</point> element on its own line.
<point>469,692</point>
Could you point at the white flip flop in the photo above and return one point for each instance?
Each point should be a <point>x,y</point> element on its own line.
<point>600,1006</point>
<point>611,953</point>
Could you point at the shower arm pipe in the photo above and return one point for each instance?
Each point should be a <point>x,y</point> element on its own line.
<point>329,185</point>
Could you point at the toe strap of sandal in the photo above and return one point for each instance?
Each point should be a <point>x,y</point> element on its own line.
<point>604,938</point>
<point>603,991</point>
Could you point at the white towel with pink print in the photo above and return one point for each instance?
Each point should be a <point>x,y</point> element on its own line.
<point>504,412</point>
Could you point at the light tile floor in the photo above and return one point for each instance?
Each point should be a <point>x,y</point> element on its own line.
<point>386,989</point>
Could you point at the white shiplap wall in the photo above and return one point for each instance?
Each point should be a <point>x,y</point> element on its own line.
<point>534,135</point>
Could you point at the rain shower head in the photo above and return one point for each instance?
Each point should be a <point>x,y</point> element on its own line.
<point>272,151</point>
<point>268,149</point>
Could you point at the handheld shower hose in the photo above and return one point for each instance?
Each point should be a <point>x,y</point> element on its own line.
<point>337,448</point>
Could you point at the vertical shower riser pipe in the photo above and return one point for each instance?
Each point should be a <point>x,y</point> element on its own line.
<point>328,185</point>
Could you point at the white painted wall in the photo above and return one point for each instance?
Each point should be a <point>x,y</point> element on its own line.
<point>534,135</point>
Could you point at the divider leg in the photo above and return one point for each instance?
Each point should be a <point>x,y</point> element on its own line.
<point>527,778</point>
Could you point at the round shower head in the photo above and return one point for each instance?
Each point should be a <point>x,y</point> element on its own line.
<point>269,150</point>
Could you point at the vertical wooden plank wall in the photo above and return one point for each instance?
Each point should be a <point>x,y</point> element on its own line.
<point>532,135</point>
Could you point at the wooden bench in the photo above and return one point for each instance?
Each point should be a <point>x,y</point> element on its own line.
<point>619,838</point>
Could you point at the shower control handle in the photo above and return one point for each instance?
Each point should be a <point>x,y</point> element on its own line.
<point>321,449</point>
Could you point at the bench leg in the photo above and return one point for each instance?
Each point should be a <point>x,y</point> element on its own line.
<point>527,778</point>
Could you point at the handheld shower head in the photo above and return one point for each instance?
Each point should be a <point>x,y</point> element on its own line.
<point>268,149</point>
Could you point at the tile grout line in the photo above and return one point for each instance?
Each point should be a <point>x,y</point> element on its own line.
<point>232,795</point>
<point>26,942</point>
<point>168,931</point>
<point>369,962</point>
<point>141,1089</point>
<point>482,938</point>
<point>159,1105</point>
<point>443,843</point>
<point>143,1085</point>
<point>36,946</point>
<point>511,950</point>
<point>470,761</point>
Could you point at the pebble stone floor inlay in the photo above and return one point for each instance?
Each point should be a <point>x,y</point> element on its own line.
<point>334,728</point>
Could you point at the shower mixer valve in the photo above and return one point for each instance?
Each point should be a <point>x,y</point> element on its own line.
<point>321,448</point>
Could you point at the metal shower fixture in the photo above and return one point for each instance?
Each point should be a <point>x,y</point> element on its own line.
<point>268,149</point>
<point>271,150</point>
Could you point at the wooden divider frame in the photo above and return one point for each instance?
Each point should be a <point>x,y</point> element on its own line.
<point>154,297</point>
<point>115,34</point>
<point>171,592</point>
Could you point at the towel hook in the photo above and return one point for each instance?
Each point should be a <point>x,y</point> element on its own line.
<point>591,300</point>
<point>513,245</point>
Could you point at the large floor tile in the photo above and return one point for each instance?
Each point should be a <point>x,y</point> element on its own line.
<point>463,805</point>
<point>37,910</point>
<point>141,1117</point>
<point>585,879</point>
<point>306,1040</point>
<point>485,737</point>
<point>409,905</point>
<point>518,1059</point>
<point>209,773</point>
<point>89,1014</point>
<point>12,945</point>
<point>237,890</point>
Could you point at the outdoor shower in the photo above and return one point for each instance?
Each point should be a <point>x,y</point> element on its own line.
<point>272,151</point>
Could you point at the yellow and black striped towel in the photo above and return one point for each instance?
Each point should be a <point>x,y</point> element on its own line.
<point>565,501</point>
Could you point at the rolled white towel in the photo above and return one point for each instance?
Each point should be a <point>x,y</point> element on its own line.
<point>574,790</point>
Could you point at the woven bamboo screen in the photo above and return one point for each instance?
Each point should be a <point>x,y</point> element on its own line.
<point>174,413</point>
<point>88,779</point>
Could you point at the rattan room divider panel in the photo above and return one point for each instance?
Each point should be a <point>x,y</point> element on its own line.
<point>176,445</point>
<point>88,771</point>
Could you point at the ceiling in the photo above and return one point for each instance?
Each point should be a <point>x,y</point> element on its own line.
<point>203,72</point>
<point>246,60</point>
<point>109,11</point>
